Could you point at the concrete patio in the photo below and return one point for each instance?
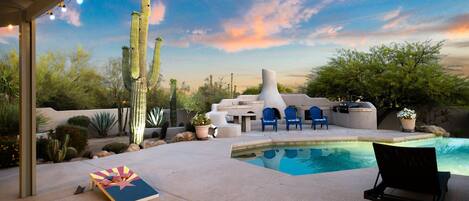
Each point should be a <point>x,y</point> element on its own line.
<point>203,170</point>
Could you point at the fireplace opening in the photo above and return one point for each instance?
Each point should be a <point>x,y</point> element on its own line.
<point>277,113</point>
<point>253,117</point>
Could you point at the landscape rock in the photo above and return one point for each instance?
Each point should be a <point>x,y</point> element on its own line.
<point>439,131</point>
<point>184,136</point>
<point>152,143</point>
<point>101,154</point>
<point>133,147</point>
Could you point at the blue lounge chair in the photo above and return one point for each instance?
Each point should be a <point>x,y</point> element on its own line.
<point>269,118</point>
<point>291,118</point>
<point>317,117</point>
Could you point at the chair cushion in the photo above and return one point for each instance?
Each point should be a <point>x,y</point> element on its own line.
<point>268,121</point>
<point>323,119</point>
<point>293,120</point>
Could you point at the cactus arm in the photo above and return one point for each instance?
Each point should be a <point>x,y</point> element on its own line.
<point>155,67</point>
<point>126,67</point>
<point>143,36</point>
<point>134,46</point>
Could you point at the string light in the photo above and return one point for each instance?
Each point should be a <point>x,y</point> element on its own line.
<point>10,27</point>
<point>79,1</point>
<point>51,15</point>
<point>62,6</point>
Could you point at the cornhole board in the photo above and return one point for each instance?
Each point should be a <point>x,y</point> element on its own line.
<point>123,184</point>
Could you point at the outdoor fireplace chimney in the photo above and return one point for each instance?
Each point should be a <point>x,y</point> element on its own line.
<point>269,93</point>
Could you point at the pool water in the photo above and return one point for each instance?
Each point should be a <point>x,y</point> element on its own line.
<point>452,155</point>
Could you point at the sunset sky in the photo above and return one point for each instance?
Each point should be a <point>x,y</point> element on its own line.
<point>218,37</point>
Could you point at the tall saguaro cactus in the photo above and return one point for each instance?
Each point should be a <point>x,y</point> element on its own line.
<point>172,103</point>
<point>134,70</point>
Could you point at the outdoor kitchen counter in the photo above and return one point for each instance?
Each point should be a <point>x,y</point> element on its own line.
<point>362,118</point>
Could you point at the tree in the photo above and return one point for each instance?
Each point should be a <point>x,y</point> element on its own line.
<point>257,89</point>
<point>210,92</point>
<point>9,76</point>
<point>391,77</point>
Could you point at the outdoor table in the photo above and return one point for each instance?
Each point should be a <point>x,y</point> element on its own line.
<point>243,119</point>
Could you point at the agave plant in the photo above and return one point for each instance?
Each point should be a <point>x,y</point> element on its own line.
<point>103,122</point>
<point>155,117</point>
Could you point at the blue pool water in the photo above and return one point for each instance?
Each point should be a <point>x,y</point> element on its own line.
<point>452,155</point>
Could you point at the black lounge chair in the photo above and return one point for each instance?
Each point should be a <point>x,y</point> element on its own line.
<point>410,169</point>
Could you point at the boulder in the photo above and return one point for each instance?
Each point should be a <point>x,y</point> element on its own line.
<point>438,131</point>
<point>184,136</point>
<point>152,143</point>
<point>101,154</point>
<point>133,147</point>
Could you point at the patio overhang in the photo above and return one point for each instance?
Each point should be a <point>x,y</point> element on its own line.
<point>23,13</point>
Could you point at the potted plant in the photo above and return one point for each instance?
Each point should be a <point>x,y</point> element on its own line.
<point>202,125</point>
<point>407,118</point>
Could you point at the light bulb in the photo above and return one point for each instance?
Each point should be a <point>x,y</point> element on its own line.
<point>10,27</point>
<point>63,9</point>
<point>79,1</point>
<point>52,16</point>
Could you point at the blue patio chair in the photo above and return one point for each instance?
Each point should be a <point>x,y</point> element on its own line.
<point>317,118</point>
<point>291,118</point>
<point>269,118</point>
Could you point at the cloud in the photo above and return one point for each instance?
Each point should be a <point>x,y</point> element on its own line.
<point>72,16</point>
<point>392,14</point>
<point>157,12</point>
<point>458,27</point>
<point>395,19</point>
<point>6,33</point>
<point>261,26</point>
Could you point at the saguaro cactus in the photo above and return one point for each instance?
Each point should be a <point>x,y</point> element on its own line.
<point>134,70</point>
<point>173,104</point>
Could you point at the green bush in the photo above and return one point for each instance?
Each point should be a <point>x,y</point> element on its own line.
<point>71,153</point>
<point>80,120</point>
<point>116,147</point>
<point>78,136</point>
<point>9,151</point>
<point>9,119</point>
<point>41,148</point>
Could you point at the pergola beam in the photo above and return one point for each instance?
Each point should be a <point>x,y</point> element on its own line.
<point>31,12</point>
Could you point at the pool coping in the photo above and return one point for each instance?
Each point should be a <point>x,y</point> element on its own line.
<point>310,140</point>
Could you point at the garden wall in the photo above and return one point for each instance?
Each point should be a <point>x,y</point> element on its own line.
<point>56,118</point>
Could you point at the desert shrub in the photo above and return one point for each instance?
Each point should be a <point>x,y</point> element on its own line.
<point>116,147</point>
<point>189,127</point>
<point>103,122</point>
<point>71,153</point>
<point>9,119</point>
<point>80,120</point>
<point>9,151</point>
<point>41,148</point>
<point>78,136</point>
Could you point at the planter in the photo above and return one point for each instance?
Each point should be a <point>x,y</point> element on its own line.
<point>202,132</point>
<point>408,125</point>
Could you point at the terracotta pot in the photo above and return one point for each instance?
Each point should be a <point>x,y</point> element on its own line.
<point>202,131</point>
<point>408,125</point>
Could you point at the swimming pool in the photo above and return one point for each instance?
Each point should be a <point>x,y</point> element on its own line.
<point>452,155</point>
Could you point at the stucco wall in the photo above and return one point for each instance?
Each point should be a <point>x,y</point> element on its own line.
<point>56,118</point>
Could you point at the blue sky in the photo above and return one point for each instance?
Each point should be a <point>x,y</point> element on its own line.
<point>243,36</point>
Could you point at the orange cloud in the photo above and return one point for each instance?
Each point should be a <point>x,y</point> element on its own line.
<point>261,26</point>
<point>6,33</point>
<point>459,27</point>
<point>157,12</point>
